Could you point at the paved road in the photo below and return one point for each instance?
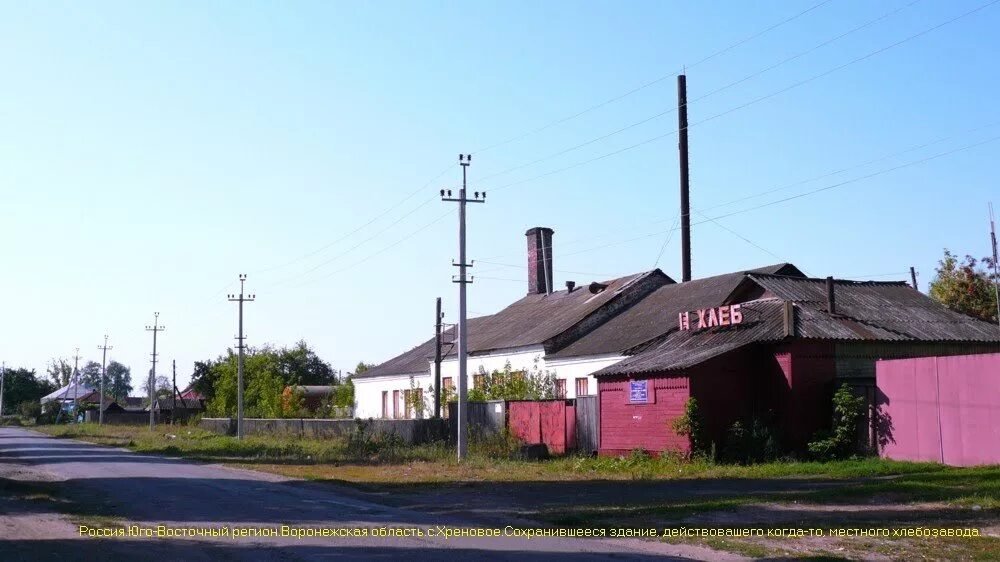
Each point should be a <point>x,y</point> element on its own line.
<point>98,482</point>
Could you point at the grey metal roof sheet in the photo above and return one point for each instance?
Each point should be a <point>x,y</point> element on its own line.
<point>762,321</point>
<point>657,313</point>
<point>531,320</point>
<point>873,310</point>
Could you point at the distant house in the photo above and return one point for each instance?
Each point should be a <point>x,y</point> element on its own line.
<point>77,393</point>
<point>169,404</point>
<point>133,403</point>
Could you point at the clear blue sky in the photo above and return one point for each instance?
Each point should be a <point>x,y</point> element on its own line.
<point>151,151</point>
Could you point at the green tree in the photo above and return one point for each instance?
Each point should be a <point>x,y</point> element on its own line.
<point>22,385</point>
<point>90,374</point>
<point>60,371</point>
<point>162,387</point>
<point>362,367</point>
<point>300,365</point>
<point>263,385</point>
<point>966,286</point>
<point>119,381</point>
<point>508,384</point>
<point>205,377</point>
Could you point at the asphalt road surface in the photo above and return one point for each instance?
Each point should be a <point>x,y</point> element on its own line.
<point>110,487</point>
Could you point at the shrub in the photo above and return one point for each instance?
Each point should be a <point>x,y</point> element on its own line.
<point>691,425</point>
<point>364,445</point>
<point>751,443</point>
<point>30,409</point>
<point>839,441</point>
<point>494,445</point>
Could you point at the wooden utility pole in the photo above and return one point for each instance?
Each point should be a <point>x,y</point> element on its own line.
<point>996,266</point>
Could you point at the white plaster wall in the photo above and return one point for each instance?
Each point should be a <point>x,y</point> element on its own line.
<point>368,392</point>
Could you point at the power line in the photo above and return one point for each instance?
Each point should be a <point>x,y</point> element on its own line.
<point>648,84</point>
<point>700,98</point>
<point>754,101</point>
<point>381,251</point>
<point>356,246</point>
<point>791,198</point>
<point>360,228</point>
<point>737,234</point>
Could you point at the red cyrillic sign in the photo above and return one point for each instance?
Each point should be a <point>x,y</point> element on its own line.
<point>727,315</point>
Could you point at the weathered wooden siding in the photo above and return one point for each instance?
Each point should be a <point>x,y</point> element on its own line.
<point>627,426</point>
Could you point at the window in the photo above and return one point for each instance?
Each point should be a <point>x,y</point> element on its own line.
<point>385,404</point>
<point>408,403</point>
<point>582,386</point>
<point>477,381</point>
<point>395,404</point>
<point>560,388</point>
<point>447,382</point>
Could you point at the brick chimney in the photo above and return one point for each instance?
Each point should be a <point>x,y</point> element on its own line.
<point>539,260</point>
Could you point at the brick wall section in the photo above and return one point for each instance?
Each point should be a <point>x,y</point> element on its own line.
<point>627,426</point>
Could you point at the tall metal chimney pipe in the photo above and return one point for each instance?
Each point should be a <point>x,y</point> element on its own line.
<point>682,145</point>
<point>831,298</point>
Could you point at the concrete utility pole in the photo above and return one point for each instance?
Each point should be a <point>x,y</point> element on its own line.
<point>241,298</point>
<point>913,277</point>
<point>996,266</point>
<point>438,316</point>
<point>104,373</point>
<point>682,146</point>
<point>463,344</point>
<point>155,328</point>
<point>3,376</point>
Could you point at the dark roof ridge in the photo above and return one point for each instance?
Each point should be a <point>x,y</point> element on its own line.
<point>823,279</point>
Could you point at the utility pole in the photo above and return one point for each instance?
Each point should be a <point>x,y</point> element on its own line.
<point>913,278</point>
<point>241,298</point>
<point>177,394</point>
<point>104,372</point>
<point>682,146</point>
<point>438,316</point>
<point>3,376</point>
<point>75,383</point>
<point>996,266</point>
<point>463,336</point>
<point>155,328</point>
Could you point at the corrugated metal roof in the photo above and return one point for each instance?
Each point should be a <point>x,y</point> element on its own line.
<point>873,310</point>
<point>69,392</point>
<point>657,313</point>
<point>532,320</point>
<point>762,321</point>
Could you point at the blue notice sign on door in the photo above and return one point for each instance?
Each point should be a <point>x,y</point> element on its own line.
<point>638,392</point>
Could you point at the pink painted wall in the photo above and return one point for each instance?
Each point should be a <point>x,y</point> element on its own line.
<point>941,409</point>
<point>543,421</point>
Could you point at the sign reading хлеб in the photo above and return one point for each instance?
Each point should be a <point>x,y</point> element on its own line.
<point>727,315</point>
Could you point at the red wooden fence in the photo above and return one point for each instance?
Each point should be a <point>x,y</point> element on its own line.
<point>549,422</point>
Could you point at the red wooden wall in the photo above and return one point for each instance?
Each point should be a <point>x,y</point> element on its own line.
<point>550,422</point>
<point>626,426</point>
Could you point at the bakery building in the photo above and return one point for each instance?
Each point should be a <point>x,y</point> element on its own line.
<point>769,342</point>
<point>775,348</point>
